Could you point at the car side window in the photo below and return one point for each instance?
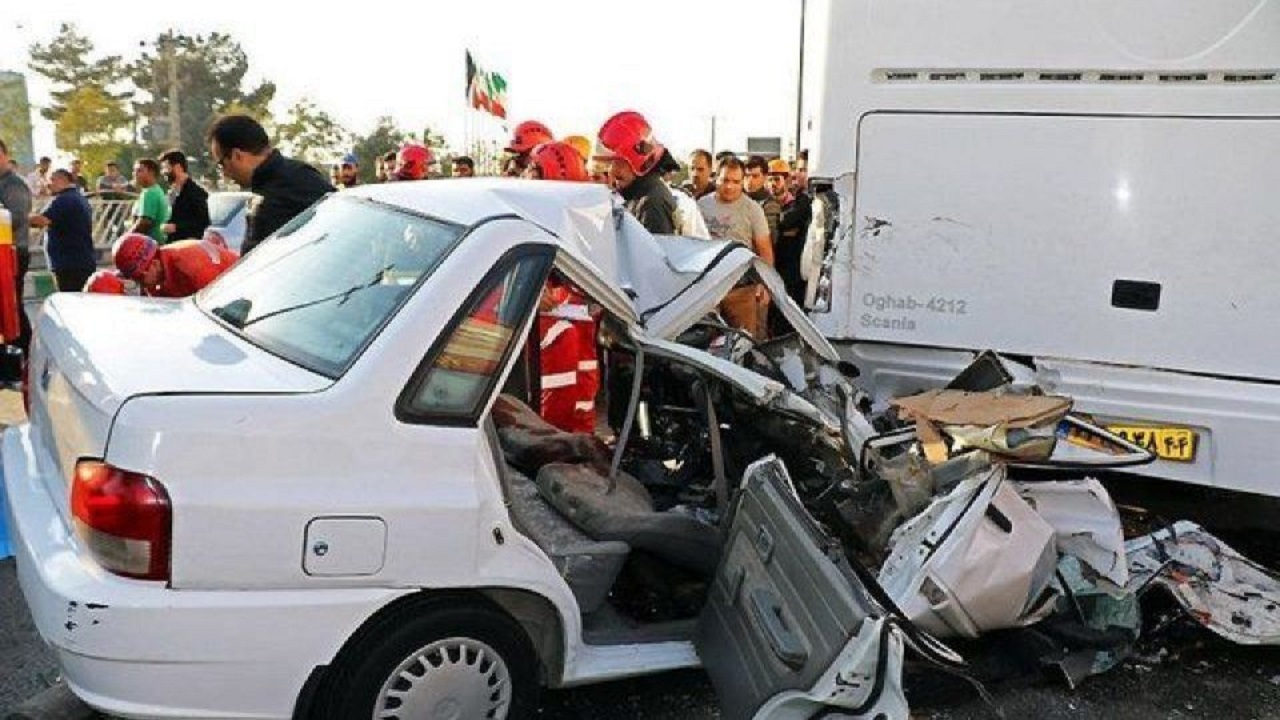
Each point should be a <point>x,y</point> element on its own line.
<point>459,374</point>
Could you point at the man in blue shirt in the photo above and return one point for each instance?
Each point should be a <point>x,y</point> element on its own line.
<point>70,233</point>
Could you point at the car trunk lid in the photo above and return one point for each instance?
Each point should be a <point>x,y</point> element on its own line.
<point>92,353</point>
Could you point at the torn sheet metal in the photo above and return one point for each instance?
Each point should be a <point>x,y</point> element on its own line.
<point>977,559</point>
<point>1085,523</point>
<point>1217,586</point>
<point>1097,621</point>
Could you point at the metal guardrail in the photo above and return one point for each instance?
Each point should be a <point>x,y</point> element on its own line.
<point>111,218</point>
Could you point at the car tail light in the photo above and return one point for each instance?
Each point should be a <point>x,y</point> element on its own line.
<point>124,519</point>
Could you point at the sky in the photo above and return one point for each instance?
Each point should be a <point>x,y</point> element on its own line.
<point>568,63</point>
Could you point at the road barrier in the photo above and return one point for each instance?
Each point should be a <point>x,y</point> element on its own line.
<point>111,219</point>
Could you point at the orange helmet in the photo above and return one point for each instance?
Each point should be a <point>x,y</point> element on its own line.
<point>581,144</point>
<point>412,162</point>
<point>107,282</point>
<point>132,253</point>
<point>629,137</point>
<point>528,135</point>
<point>558,161</point>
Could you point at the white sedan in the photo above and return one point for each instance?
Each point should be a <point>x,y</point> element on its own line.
<point>317,488</point>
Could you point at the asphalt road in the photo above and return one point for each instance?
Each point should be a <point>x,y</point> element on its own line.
<point>1188,676</point>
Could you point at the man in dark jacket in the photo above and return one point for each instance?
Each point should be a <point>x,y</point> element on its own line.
<point>285,187</point>
<point>793,228</point>
<point>15,196</point>
<point>756,187</point>
<point>637,172</point>
<point>188,202</point>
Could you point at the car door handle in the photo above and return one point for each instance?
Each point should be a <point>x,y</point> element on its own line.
<point>765,611</point>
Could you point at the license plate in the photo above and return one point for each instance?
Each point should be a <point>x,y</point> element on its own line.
<point>1177,444</point>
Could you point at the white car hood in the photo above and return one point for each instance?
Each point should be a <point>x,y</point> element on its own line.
<point>112,348</point>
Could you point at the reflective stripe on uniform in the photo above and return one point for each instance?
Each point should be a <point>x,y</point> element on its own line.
<point>571,311</point>
<point>555,331</point>
<point>585,405</point>
<point>559,380</point>
<point>588,365</point>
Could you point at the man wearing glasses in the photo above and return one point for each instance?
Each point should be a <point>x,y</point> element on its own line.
<point>284,187</point>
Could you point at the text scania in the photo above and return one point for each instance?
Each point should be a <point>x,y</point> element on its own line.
<point>884,323</point>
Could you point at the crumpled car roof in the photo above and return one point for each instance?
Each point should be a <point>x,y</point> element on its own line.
<point>589,224</point>
<point>580,215</point>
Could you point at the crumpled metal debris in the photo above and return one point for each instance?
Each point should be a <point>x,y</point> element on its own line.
<point>1085,522</point>
<point>1218,587</point>
<point>977,559</point>
<point>1097,622</point>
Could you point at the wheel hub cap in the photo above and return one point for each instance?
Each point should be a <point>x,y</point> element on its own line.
<point>451,679</point>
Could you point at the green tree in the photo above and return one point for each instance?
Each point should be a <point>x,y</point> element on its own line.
<point>67,62</point>
<point>385,137</point>
<point>210,71</point>
<point>310,134</point>
<point>15,116</point>
<point>94,126</point>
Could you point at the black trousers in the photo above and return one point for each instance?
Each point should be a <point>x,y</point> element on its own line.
<point>24,262</point>
<point>71,280</point>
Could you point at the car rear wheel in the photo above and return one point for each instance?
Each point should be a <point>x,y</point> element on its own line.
<point>451,663</point>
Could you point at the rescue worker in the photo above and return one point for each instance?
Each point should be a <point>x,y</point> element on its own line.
<point>637,176</point>
<point>600,165</point>
<point>570,368</point>
<point>412,162</point>
<point>556,161</point>
<point>105,282</point>
<point>581,144</point>
<point>176,270</point>
<point>527,136</point>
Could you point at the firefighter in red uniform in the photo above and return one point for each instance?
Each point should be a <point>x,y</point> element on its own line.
<point>527,136</point>
<point>412,162</point>
<point>105,282</point>
<point>567,331</point>
<point>176,270</point>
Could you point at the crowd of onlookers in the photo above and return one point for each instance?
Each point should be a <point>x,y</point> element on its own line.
<point>759,202</point>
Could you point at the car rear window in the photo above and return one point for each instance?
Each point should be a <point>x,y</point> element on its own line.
<point>323,286</point>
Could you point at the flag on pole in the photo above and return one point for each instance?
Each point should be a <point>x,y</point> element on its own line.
<point>498,95</point>
<point>486,91</point>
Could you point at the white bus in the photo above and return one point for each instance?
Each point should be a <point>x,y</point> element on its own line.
<point>1091,187</point>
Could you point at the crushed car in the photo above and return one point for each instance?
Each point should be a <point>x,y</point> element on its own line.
<point>336,450</point>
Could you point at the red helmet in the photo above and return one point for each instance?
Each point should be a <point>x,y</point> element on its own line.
<point>412,162</point>
<point>558,161</point>
<point>629,137</point>
<point>132,253</point>
<point>107,282</point>
<point>528,135</point>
